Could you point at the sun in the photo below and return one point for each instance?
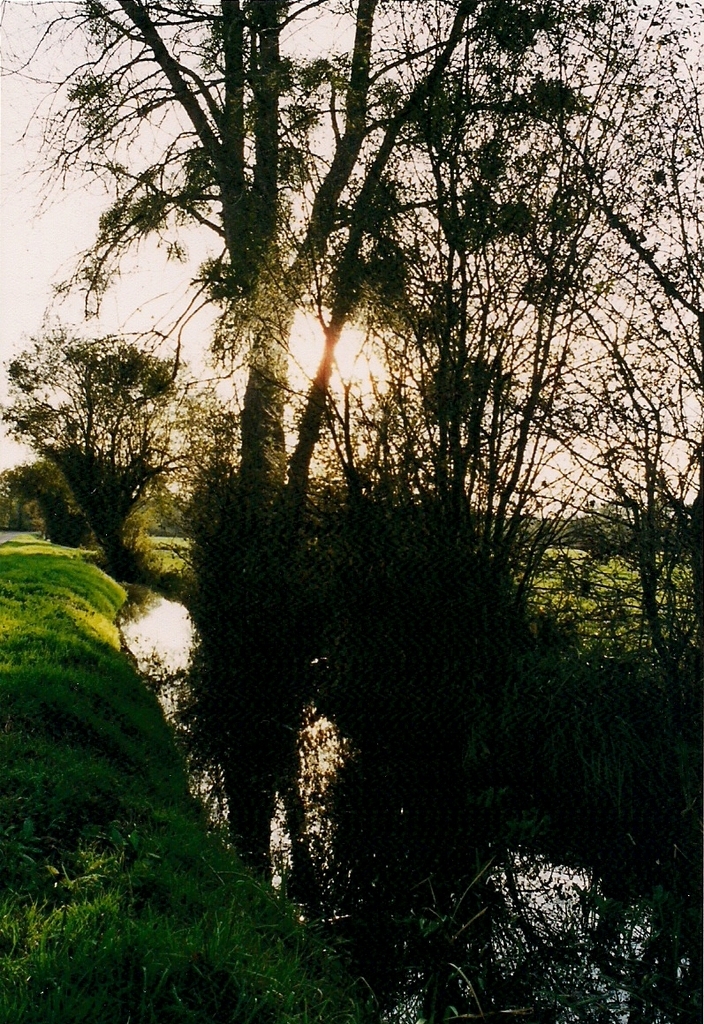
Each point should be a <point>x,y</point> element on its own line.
<point>355,364</point>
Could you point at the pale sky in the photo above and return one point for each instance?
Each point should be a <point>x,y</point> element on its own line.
<point>41,237</point>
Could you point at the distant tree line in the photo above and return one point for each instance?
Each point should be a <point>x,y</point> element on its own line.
<point>37,497</point>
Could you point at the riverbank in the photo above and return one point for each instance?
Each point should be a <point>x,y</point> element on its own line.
<point>118,904</point>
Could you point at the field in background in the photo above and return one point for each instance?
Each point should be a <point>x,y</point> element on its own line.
<point>600,598</point>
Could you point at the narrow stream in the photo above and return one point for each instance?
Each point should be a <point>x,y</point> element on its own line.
<point>159,634</point>
<point>154,628</point>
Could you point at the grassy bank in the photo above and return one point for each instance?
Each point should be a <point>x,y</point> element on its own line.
<point>116,905</point>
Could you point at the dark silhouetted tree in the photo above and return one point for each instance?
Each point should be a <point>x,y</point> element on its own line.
<point>105,414</point>
<point>43,485</point>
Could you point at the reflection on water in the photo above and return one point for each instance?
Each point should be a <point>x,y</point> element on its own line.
<point>545,899</point>
<point>159,634</point>
<point>321,753</point>
<point>156,629</point>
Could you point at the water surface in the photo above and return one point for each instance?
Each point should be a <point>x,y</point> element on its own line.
<point>154,628</point>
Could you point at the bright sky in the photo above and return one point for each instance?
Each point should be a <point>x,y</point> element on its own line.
<point>41,237</point>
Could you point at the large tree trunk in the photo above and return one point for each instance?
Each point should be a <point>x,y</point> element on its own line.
<point>121,561</point>
<point>250,219</point>
<point>263,447</point>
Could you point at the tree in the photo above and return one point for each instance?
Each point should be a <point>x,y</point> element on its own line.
<point>488,242</point>
<point>240,121</point>
<point>484,336</point>
<point>483,330</point>
<point>16,512</point>
<point>240,117</point>
<point>639,149</point>
<point>42,484</point>
<point>636,418</point>
<point>105,414</point>
<point>243,120</point>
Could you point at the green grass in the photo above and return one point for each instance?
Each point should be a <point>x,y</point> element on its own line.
<point>117,905</point>
<point>600,599</point>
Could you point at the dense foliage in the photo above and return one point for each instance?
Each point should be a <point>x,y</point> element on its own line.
<point>513,815</point>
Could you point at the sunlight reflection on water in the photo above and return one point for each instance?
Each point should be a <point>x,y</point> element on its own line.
<point>154,627</point>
